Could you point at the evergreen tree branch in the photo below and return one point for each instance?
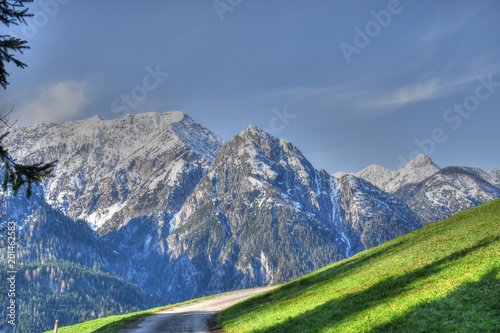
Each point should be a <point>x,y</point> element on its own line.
<point>12,12</point>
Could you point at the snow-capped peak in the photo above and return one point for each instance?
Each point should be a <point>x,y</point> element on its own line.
<point>253,133</point>
<point>376,174</point>
<point>390,181</point>
<point>339,174</point>
<point>102,163</point>
<point>421,161</point>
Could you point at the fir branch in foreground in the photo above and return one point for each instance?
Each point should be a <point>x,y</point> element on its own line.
<point>16,174</point>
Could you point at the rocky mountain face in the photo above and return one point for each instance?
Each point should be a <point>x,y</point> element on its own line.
<point>448,191</point>
<point>110,172</point>
<point>434,193</point>
<point>158,206</point>
<point>391,181</point>
<point>63,269</point>
<point>263,214</point>
<point>375,216</point>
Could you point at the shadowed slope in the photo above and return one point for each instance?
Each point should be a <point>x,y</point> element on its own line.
<point>444,277</point>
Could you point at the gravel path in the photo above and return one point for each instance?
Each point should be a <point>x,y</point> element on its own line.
<point>195,317</point>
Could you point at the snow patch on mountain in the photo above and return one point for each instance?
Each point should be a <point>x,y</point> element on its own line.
<point>111,167</point>
<point>100,216</point>
<point>377,175</point>
<point>390,181</point>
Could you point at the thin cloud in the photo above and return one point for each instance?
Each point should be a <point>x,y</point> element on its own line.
<point>431,89</point>
<point>410,94</point>
<point>450,24</point>
<point>364,98</point>
<point>57,102</point>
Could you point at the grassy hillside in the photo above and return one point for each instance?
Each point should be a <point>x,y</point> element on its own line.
<point>442,278</point>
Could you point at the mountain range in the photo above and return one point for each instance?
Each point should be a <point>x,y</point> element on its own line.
<point>154,208</point>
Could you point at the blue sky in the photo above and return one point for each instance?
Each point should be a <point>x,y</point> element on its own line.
<point>350,83</point>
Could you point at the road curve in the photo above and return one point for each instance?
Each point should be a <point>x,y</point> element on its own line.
<point>194,317</point>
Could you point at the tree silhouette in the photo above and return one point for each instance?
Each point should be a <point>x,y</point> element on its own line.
<point>12,12</point>
<point>15,175</point>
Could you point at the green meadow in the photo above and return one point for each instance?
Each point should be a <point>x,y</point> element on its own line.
<point>441,278</point>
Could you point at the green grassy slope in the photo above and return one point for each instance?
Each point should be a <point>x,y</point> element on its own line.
<point>442,278</point>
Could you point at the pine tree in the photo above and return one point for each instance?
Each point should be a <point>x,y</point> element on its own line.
<point>12,12</point>
<point>15,175</point>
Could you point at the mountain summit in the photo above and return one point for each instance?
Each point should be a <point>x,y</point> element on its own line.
<point>157,205</point>
<point>390,181</point>
<point>263,214</point>
<point>107,169</point>
<point>434,193</point>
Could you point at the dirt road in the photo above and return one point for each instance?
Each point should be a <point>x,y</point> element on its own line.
<point>194,317</point>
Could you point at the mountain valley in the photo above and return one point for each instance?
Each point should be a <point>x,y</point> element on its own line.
<point>156,209</point>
